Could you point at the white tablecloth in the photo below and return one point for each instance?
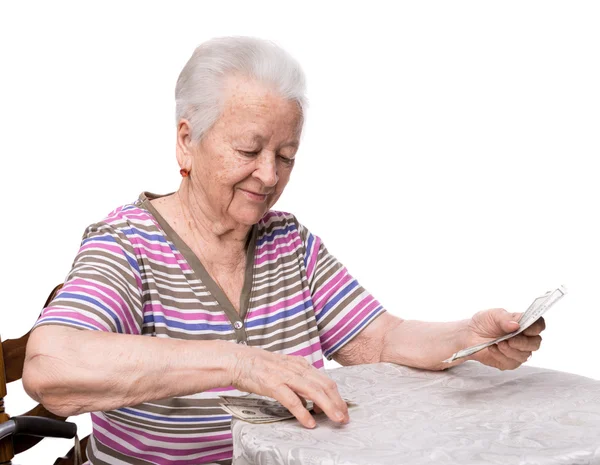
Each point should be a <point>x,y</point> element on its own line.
<point>470,414</point>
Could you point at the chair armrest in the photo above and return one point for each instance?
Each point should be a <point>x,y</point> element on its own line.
<point>44,427</point>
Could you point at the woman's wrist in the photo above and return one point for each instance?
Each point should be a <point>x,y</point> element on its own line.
<point>225,362</point>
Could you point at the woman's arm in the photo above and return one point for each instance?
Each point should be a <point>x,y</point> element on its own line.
<point>72,371</point>
<point>416,344</point>
<point>425,345</point>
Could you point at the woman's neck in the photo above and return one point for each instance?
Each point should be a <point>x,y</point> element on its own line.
<point>208,227</point>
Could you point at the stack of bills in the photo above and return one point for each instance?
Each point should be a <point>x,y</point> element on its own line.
<point>258,409</point>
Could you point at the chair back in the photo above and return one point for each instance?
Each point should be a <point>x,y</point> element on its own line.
<point>12,359</point>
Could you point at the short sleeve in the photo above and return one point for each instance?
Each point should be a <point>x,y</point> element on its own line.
<point>103,289</point>
<point>343,308</point>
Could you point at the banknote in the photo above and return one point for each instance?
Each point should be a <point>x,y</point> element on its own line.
<point>538,307</point>
<point>260,409</point>
<point>257,414</point>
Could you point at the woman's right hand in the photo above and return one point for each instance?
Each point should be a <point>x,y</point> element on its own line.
<point>288,379</point>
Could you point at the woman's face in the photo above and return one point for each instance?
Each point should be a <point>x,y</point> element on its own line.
<point>244,162</point>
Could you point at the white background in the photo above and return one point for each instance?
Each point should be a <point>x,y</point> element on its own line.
<point>449,157</point>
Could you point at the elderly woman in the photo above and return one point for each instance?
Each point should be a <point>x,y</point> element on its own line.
<point>174,300</point>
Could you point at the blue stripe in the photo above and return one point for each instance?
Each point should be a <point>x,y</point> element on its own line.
<point>106,238</point>
<point>307,255</point>
<point>132,262</point>
<point>344,292</point>
<point>65,320</point>
<point>171,419</point>
<point>93,301</point>
<point>354,331</point>
<point>151,318</point>
<point>150,237</point>
<point>283,314</point>
<point>277,232</point>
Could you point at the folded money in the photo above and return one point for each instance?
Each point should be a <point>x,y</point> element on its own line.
<point>535,311</point>
<point>259,409</point>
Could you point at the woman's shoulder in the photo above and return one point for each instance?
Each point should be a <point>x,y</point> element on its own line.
<point>277,220</point>
<point>131,214</point>
<point>126,220</point>
<point>277,223</point>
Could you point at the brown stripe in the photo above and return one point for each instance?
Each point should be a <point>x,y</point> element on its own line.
<point>82,308</point>
<point>265,335</point>
<point>161,330</point>
<point>276,293</point>
<point>110,452</point>
<point>169,428</point>
<point>357,292</point>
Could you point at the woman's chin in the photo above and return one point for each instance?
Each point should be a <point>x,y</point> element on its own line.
<point>249,215</point>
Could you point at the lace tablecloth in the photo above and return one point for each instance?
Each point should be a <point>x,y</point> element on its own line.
<point>471,414</point>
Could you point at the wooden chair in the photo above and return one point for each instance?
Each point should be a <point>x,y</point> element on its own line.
<point>20,433</point>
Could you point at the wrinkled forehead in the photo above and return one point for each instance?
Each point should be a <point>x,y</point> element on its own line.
<point>241,93</point>
<point>253,108</point>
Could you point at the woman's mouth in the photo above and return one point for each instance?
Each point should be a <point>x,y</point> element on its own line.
<point>254,196</point>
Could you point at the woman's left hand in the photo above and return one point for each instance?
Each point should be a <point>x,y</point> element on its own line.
<point>507,355</point>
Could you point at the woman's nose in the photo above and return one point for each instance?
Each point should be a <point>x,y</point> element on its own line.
<point>266,170</point>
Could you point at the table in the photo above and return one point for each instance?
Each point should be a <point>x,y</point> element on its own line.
<point>471,414</point>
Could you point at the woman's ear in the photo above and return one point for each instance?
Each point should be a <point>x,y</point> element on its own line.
<point>184,144</point>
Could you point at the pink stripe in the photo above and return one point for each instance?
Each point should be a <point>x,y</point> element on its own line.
<point>135,214</point>
<point>60,312</point>
<point>155,458</point>
<point>122,310</point>
<point>160,247</point>
<point>332,282</point>
<point>221,456</point>
<point>111,248</point>
<point>279,251</point>
<point>114,212</point>
<point>332,288</point>
<point>184,314</point>
<point>141,252</point>
<point>319,363</point>
<point>368,300</point>
<point>195,439</point>
<point>181,261</point>
<point>270,309</point>
<point>91,244</point>
<point>271,213</point>
<point>341,329</point>
<point>308,350</point>
<point>124,215</point>
<point>183,264</point>
<point>283,239</point>
<point>138,279</point>
<point>314,253</point>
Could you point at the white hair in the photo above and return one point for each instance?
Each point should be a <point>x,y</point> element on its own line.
<point>199,89</point>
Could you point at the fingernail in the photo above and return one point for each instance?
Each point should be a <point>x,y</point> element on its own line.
<point>339,415</point>
<point>311,423</point>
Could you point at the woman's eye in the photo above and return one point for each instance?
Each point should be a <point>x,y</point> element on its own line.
<point>286,160</point>
<point>249,153</point>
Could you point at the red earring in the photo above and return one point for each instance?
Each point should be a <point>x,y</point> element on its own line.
<point>184,173</point>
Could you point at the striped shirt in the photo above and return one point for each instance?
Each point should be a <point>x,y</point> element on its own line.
<point>134,275</point>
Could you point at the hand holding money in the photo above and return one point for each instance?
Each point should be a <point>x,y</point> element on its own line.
<point>256,409</point>
<point>287,379</point>
<point>506,340</point>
